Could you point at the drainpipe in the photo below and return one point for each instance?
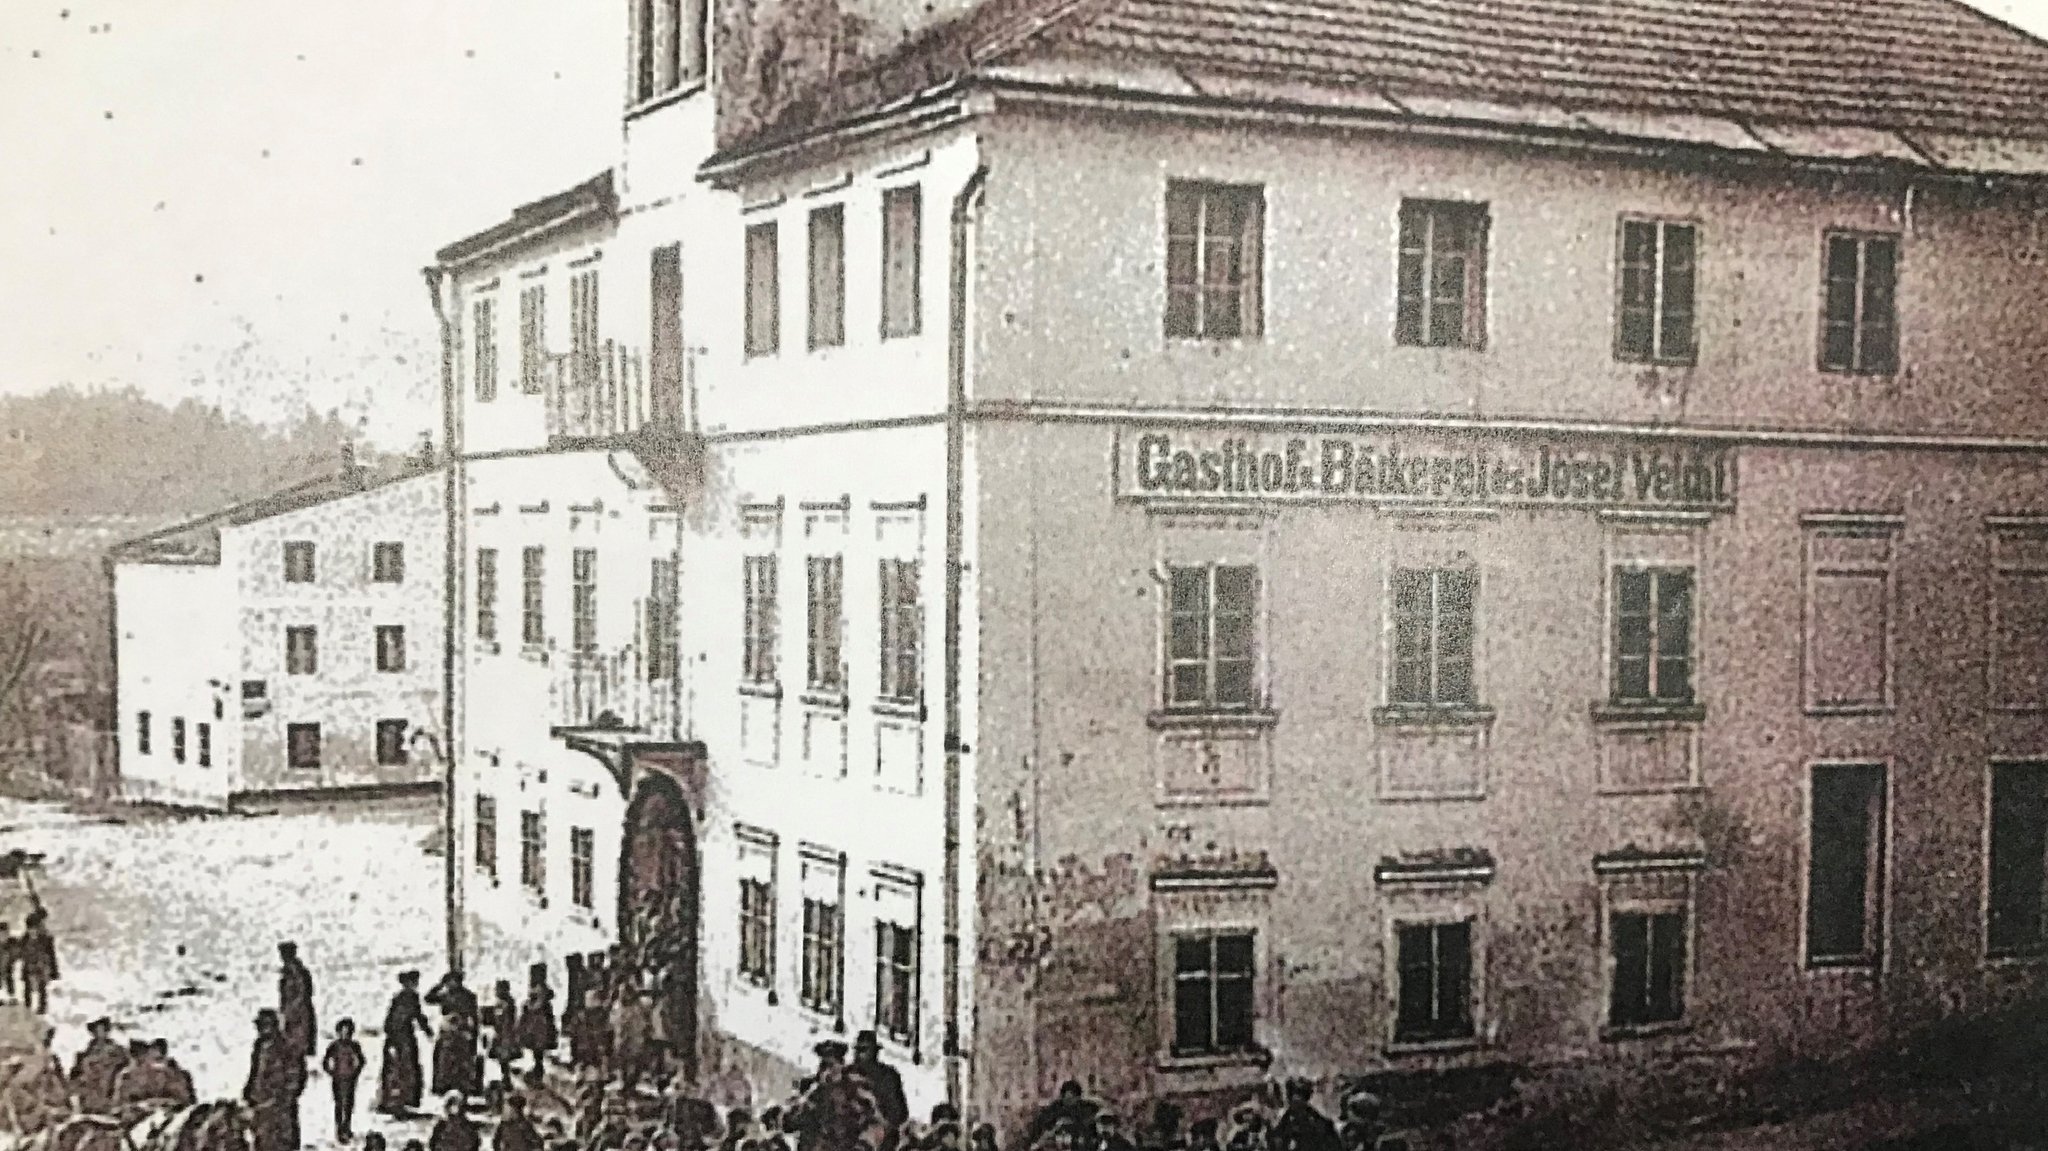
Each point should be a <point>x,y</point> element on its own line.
<point>966,206</point>
<point>440,283</point>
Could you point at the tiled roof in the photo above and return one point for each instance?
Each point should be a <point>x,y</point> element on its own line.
<point>1718,73</point>
<point>596,195</point>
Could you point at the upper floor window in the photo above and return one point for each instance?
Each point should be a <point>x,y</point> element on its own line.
<point>583,867</point>
<point>1859,304</point>
<point>1659,266</point>
<point>1212,647</point>
<point>1648,948</point>
<point>298,561</point>
<point>1214,260</point>
<point>302,746</point>
<point>902,629</point>
<point>828,277</point>
<point>487,835</point>
<point>661,620</point>
<point>203,734</point>
<point>764,291</point>
<point>533,623</point>
<point>533,860</point>
<point>484,348</point>
<point>391,740</point>
<point>583,599</point>
<point>142,733</point>
<point>669,43</point>
<point>1441,290</point>
<point>586,354</point>
<point>387,563</point>
<point>487,595</point>
<point>902,258</point>
<point>827,577</point>
<point>757,657</point>
<point>1433,637</point>
<point>178,739</point>
<point>823,969</point>
<point>2019,615</point>
<point>665,335</point>
<point>533,344</point>
<point>390,647</point>
<point>1653,642</point>
<point>301,651</point>
<point>1849,592</point>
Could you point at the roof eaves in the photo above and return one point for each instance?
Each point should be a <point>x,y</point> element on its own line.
<point>595,198</point>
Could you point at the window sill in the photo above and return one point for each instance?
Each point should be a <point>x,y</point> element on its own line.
<point>656,103</point>
<point>824,700</point>
<point>1859,373</point>
<point>1169,720</point>
<point>761,689</point>
<point>1845,965</point>
<point>1462,716</point>
<point>487,647</point>
<point>1413,1047</point>
<point>1848,709</point>
<point>900,709</point>
<point>1256,1058</point>
<point>762,984</point>
<point>1605,712</point>
<point>1623,1033</point>
<point>2016,957</point>
<point>534,653</point>
<point>824,1017</point>
<point>1657,362</point>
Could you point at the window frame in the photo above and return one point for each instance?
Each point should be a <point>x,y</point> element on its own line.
<point>177,739</point>
<point>1815,569</point>
<point>761,286</point>
<point>662,622</point>
<point>203,743</point>
<point>1472,309</point>
<point>896,981</point>
<point>1209,704</point>
<point>1877,877</point>
<point>1433,699</point>
<point>825,315</point>
<point>760,639</point>
<point>822,986</point>
<point>301,562</point>
<point>1215,1048</point>
<point>586,336</point>
<point>387,562</point>
<point>825,617</point>
<point>142,732</point>
<point>1893,351</point>
<point>391,648</point>
<point>483,320</point>
<point>1654,657</point>
<point>902,271</point>
<point>533,852</point>
<point>667,346</point>
<point>2004,950</point>
<point>294,760</point>
<point>2004,532</point>
<point>583,869</point>
<point>293,664</point>
<point>583,600</point>
<point>487,596</point>
<point>533,349</point>
<point>1656,355</point>
<point>533,574</point>
<point>757,854</point>
<point>900,635</point>
<point>485,837</point>
<point>392,736</point>
<point>1249,250</point>
<point>1434,920</point>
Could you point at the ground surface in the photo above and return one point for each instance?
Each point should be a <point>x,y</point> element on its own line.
<point>169,927</point>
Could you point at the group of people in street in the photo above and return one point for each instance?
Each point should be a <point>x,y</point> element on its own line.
<point>28,961</point>
<point>108,1078</point>
<point>1073,1122</point>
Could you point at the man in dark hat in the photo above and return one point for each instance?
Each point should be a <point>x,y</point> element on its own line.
<point>884,1083</point>
<point>295,1001</point>
<point>1301,1127</point>
<point>1071,1107</point>
<point>277,1074</point>
<point>398,1082</point>
<point>834,1110</point>
<point>37,953</point>
<point>516,1131</point>
<point>94,1071</point>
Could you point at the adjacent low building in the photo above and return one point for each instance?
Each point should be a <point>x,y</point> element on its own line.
<point>290,645</point>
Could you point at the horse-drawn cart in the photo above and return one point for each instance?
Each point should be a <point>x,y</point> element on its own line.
<point>37,1112</point>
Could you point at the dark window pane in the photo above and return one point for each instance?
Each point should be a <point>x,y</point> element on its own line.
<point>1234,954</point>
<point>1631,968</point>
<point>1415,970</point>
<point>1454,980</point>
<point>1234,683</point>
<point>1190,590</point>
<point>1234,1014</point>
<point>1664,994</point>
<point>2019,844</point>
<point>1839,883</point>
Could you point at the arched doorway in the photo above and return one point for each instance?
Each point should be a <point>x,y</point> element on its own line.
<point>658,905</point>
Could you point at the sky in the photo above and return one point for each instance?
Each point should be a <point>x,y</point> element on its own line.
<point>230,200</point>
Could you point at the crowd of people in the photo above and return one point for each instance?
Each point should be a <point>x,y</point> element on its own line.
<point>28,961</point>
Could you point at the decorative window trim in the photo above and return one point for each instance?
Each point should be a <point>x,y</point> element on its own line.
<point>1653,542</point>
<point>812,856</point>
<point>1426,908</point>
<point>1633,880</point>
<point>2000,532</point>
<point>758,853</point>
<point>1657,356</point>
<point>1456,867</point>
<point>1213,897</point>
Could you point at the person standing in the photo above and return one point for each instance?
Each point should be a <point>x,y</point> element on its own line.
<point>295,1002</point>
<point>632,1027</point>
<point>97,1067</point>
<point>537,1031</point>
<point>516,1131</point>
<point>37,952</point>
<point>1301,1127</point>
<point>277,1074</point>
<point>344,1066</point>
<point>454,1130</point>
<point>8,961</point>
<point>884,1083</point>
<point>455,1063</point>
<point>503,1018</point>
<point>398,1083</point>
<point>151,1078</point>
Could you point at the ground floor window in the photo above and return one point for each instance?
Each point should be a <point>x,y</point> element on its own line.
<point>142,733</point>
<point>533,874</point>
<point>178,739</point>
<point>582,867</point>
<point>302,746</point>
<point>1845,866</point>
<point>1433,974</point>
<point>1212,992</point>
<point>896,980</point>
<point>822,969</point>
<point>1648,986</point>
<point>204,732</point>
<point>391,750</point>
<point>757,932</point>
<point>2019,859</point>
<point>487,836</point>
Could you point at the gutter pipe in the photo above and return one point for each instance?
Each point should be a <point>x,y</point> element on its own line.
<point>440,284</point>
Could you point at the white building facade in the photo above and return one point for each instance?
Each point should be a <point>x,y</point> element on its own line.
<point>288,646</point>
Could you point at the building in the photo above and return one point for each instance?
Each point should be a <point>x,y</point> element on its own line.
<point>287,646</point>
<point>1222,544</point>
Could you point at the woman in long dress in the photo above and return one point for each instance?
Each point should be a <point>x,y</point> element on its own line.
<point>398,1082</point>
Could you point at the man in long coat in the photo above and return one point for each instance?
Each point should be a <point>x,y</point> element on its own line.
<point>455,1058</point>
<point>37,952</point>
<point>94,1071</point>
<point>277,1074</point>
<point>398,1082</point>
<point>295,1001</point>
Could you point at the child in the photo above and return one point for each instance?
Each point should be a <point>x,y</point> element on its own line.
<point>344,1065</point>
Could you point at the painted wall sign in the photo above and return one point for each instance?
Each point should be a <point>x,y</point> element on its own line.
<point>1482,469</point>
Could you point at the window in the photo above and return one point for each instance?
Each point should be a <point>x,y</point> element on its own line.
<point>178,739</point>
<point>1659,267</point>
<point>533,344</point>
<point>533,874</point>
<point>1212,993</point>
<point>204,749</point>
<point>1845,874</point>
<point>1433,637</point>
<point>1433,972</point>
<point>764,317</point>
<point>902,257</point>
<point>387,563</point>
<point>822,955</point>
<point>487,595</point>
<point>1211,649</point>
<point>487,836</point>
<point>302,746</point>
<point>1653,649</point>
<point>533,624</point>
<point>828,276</point>
<point>1859,307</point>
<point>661,620</point>
<point>665,335</point>
<point>2019,616</point>
<point>758,650</point>
<point>298,561</point>
<point>391,749</point>
<point>902,631</point>
<point>582,861</point>
<point>142,733</point>
<point>301,651</point>
<point>896,980</point>
<point>1849,616</point>
<point>1441,290</point>
<point>390,647</point>
<point>2019,860</point>
<point>643,50</point>
<point>255,698</point>
<point>1648,984</point>
<point>583,599</point>
<point>826,575</point>
<point>669,46</point>
<point>757,931</point>
<point>1214,260</point>
<point>586,353</point>
<point>484,339</point>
